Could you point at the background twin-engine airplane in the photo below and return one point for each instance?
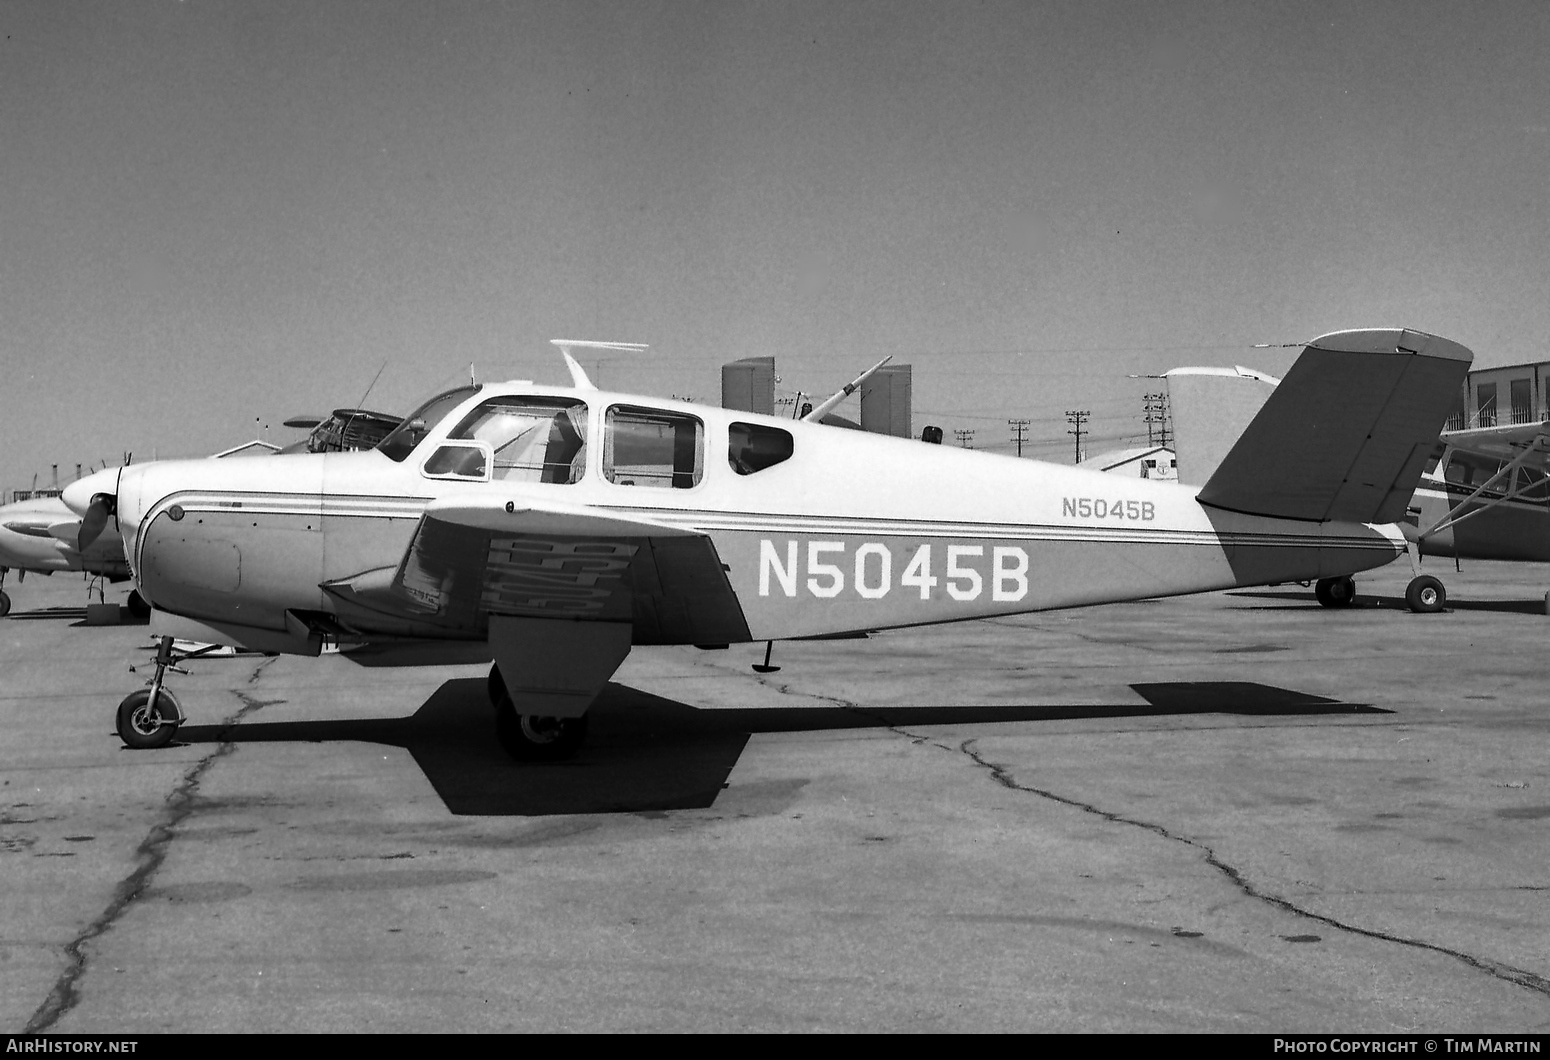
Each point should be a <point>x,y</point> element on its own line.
<point>554,528</point>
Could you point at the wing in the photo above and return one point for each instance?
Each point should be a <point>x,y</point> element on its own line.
<point>1346,433</point>
<point>469,561</point>
<point>1507,441</point>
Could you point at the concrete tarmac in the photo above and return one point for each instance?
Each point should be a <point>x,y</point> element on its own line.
<point>1231,812</point>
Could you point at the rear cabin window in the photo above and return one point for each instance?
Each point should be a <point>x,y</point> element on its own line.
<point>752,447</point>
<point>534,439</point>
<point>653,447</point>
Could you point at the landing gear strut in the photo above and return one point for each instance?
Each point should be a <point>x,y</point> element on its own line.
<point>1336,592</point>
<point>532,737</point>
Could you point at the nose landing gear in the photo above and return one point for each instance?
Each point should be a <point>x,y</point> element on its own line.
<point>150,717</point>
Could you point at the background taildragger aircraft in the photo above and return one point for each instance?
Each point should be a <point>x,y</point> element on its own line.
<point>555,528</point>
<point>1485,494</point>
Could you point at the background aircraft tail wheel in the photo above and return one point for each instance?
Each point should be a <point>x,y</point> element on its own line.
<point>528,737</point>
<point>1425,595</point>
<point>5,604</point>
<point>137,605</point>
<point>1336,592</point>
<point>140,726</point>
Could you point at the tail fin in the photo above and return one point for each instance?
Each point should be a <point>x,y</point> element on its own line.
<point>1210,409</point>
<point>1346,433</point>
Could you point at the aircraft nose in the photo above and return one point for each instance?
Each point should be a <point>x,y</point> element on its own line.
<point>77,496</point>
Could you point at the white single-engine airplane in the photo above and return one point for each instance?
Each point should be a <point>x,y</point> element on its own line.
<point>558,527</point>
<point>39,536</point>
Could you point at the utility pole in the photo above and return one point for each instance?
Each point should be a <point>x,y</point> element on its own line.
<point>1078,417</point>
<point>1156,406</point>
<point>965,435</point>
<point>1019,428</point>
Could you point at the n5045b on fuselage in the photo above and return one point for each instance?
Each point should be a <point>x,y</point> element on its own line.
<point>560,526</point>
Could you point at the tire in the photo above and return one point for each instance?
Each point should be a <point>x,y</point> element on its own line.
<point>5,603</point>
<point>530,738</point>
<point>1425,595</point>
<point>1336,592</point>
<point>143,729</point>
<point>137,605</point>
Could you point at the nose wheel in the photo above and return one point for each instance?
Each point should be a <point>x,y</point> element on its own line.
<point>150,717</point>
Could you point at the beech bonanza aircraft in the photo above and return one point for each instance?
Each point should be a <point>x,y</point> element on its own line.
<point>39,536</point>
<point>558,527</point>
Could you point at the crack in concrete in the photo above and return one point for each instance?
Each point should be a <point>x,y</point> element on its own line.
<point>1506,972</point>
<point>1000,774</point>
<point>149,856</point>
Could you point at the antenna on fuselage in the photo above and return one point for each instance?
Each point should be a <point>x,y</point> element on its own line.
<point>822,410</point>
<point>578,374</point>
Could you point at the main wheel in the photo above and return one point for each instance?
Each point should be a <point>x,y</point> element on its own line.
<point>1425,595</point>
<point>1336,592</point>
<point>137,605</point>
<point>532,737</point>
<point>5,603</point>
<point>142,727</point>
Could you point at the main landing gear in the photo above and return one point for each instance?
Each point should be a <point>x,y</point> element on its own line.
<point>531,737</point>
<point>5,601</point>
<point>1336,592</point>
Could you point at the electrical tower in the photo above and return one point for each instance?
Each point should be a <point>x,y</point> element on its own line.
<point>1156,406</point>
<point>1019,429</point>
<point>1078,417</point>
<point>965,435</point>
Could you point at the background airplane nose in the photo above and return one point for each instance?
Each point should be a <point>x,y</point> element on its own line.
<point>77,496</point>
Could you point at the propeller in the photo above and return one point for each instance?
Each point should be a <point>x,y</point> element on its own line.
<point>103,505</point>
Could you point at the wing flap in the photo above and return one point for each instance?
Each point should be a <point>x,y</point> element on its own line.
<point>1345,434</point>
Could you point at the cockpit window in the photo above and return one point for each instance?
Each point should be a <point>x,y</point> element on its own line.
<point>753,447</point>
<point>403,438</point>
<point>653,447</point>
<point>535,439</point>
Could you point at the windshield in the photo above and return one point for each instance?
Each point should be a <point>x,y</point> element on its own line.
<point>403,438</point>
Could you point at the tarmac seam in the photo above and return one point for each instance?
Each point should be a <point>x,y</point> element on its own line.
<point>149,856</point>
<point>1516,976</point>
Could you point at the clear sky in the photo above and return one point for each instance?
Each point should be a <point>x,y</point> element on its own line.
<point>215,215</point>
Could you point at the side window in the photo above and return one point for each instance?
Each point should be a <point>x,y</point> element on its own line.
<point>1474,470</point>
<point>752,447</point>
<point>459,460</point>
<point>653,447</point>
<point>533,439</point>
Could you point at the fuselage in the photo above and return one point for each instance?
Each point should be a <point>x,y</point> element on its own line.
<point>818,530</point>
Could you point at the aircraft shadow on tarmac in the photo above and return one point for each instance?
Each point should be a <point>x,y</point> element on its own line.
<point>1303,601</point>
<point>647,753</point>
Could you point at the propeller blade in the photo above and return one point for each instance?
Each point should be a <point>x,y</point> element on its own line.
<point>102,506</point>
